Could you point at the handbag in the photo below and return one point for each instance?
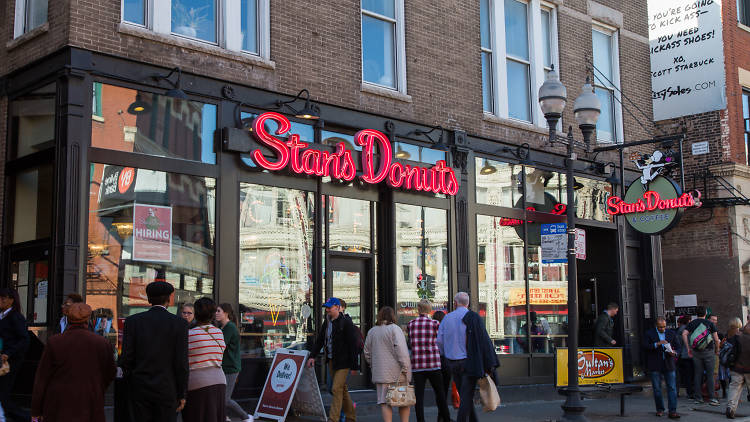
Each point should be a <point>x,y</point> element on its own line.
<point>454,395</point>
<point>488,394</point>
<point>400,395</point>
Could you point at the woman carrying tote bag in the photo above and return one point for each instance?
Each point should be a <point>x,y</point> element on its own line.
<point>388,356</point>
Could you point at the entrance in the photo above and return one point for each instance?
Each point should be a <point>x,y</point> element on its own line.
<point>349,279</point>
<point>597,280</point>
<point>29,276</point>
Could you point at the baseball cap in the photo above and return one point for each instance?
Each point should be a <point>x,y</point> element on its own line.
<point>332,301</point>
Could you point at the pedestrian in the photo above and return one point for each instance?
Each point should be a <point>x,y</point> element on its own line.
<point>338,338</point>
<point>388,356</point>
<point>605,327</point>
<point>15,342</point>
<point>75,370</point>
<point>445,371</point>
<point>232,362</point>
<point>70,299</point>
<point>661,345</point>
<point>187,312</point>
<point>425,360</point>
<point>685,362</point>
<point>207,385</point>
<point>739,366</point>
<point>466,345</point>
<point>721,370</point>
<point>702,343</point>
<point>154,358</point>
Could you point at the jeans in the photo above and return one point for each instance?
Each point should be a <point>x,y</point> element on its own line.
<point>232,406</point>
<point>738,381</point>
<point>466,386</point>
<point>703,360</point>
<point>340,400</point>
<point>670,380</point>
<point>685,368</point>
<point>436,380</point>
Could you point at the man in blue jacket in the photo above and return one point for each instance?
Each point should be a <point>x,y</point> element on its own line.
<point>661,347</point>
<point>467,347</point>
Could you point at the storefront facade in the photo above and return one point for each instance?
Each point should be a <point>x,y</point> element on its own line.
<point>114,183</point>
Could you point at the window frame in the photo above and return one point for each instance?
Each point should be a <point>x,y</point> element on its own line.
<point>158,19</point>
<point>743,12</point>
<point>499,56</point>
<point>597,82</point>
<point>746,122</point>
<point>399,38</point>
<point>21,18</point>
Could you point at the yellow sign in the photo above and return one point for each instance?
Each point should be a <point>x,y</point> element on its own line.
<point>539,296</point>
<point>595,366</point>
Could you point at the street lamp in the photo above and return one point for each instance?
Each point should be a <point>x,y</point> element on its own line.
<point>552,100</point>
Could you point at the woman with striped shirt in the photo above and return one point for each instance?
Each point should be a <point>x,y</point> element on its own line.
<point>207,383</point>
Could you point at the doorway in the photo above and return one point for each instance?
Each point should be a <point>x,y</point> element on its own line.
<point>349,279</point>
<point>597,280</point>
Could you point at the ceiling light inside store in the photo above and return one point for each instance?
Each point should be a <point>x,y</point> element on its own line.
<point>487,168</point>
<point>400,153</point>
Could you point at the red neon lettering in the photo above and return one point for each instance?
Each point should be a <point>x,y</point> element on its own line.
<point>650,202</point>
<point>274,143</point>
<point>294,146</point>
<point>366,138</point>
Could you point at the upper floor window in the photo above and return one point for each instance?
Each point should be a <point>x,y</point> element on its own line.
<point>746,122</point>
<point>743,12</point>
<point>235,25</point>
<point>29,15</point>
<point>607,84</point>
<point>518,47</point>
<point>383,52</point>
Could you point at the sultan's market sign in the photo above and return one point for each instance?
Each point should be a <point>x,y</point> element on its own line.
<point>654,207</point>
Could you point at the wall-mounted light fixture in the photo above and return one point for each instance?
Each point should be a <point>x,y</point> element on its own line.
<point>521,152</point>
<point>309,111</point>
<point>438,144</point>
<point>176,91</point>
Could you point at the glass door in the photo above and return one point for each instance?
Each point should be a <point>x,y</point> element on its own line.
<point>29,275</point>
<point>350,281</point>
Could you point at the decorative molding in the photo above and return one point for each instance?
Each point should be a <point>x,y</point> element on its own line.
<point>604,14</point>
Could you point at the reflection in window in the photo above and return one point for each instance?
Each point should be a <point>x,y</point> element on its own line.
<point>422,246</point>
<point>404,151</point>
<point>498,183</point>
<point>591,199</point>
<point>134,11</point>
<point>249,10</point>
<point>146,123</point>
<point>349,225</point>
<point>33,122</point>
<point>147,225</point>
<point>502,288</point>
<point>544,190</point>
<point>275,285</point>
<point>35,14</point>
<point>195,19</point>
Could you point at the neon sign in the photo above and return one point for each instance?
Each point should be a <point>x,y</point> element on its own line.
<point>651,201</point>
<point>340,164</point>
<point>558,209</point>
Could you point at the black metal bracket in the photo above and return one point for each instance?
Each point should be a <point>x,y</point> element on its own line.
<point>521,152</point>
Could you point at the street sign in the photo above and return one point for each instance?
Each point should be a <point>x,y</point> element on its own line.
<point>554,243</point>
<point>580,244</point>
<point>595,366</point>
<point>700,148</point>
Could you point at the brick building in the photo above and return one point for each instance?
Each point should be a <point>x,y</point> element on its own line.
<point>716,268</point>
<point>121,115</point>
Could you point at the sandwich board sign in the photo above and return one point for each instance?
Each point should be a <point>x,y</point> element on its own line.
<point>288,371</point>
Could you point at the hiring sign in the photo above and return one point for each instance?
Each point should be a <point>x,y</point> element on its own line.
<point>281,384</point>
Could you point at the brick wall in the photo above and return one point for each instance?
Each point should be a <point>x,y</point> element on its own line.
<point>737,54</point>
<point>442,50</point>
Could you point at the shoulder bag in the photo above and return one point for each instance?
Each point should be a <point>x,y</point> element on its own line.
<point>400,394</point>
<point>488,394</point>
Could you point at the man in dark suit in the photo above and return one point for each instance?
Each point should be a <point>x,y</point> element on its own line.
<point>154,359</point>
<point>661,347</point>
<point>604,330</point>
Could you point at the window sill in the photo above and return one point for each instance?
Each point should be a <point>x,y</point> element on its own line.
<point>743,27</point>
<point>10,45</point>
<point>488,117</point>
<point>188,44</point>
<point>385,92</point>
<point>96,118</point>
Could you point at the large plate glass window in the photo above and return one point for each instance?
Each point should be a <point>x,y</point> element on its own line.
<point>275,279</point>
<point>147,225</point>
<point>349,225</point>
<point>498,183</point>
<point>421,259</point>
<point>153,124</point>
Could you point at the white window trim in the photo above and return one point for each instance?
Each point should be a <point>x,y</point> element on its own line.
<point>19,20</point>
<point>536,59</point>
<point>228,25</point>
<point>613,33</point>
<point>400,47</point>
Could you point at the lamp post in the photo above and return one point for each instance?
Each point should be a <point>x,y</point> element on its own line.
<point>552,100</point>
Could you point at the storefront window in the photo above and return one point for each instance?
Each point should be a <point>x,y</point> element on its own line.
<point>412,152</point>
<point>32,205</point>
<point>275,279</point>
<point>545,189</point>
<point>306,133</point>
<point>502,287</point>
<point>152,124</point>
<point>146,225</point>
<point>349,225</point>
<point>421,259</point>
<point>33,122</point>
<point>591,199</point>
<point>498,183</point>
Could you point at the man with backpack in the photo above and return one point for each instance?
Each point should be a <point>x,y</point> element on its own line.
<point>702,343</point>
<point>338,339</point>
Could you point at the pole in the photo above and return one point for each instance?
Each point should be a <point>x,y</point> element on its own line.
<point>573,407</point>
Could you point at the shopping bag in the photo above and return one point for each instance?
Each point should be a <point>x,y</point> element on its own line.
<point>454,395</point>
<point>488,394</point>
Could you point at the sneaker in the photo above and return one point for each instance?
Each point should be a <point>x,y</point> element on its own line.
<point>729,413</point>
<point>674,415</point>
<point>698,401</point>
<point>714,402</point>
<point>249,418</point>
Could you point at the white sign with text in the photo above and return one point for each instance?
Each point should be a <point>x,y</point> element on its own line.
<point>687,57</point>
